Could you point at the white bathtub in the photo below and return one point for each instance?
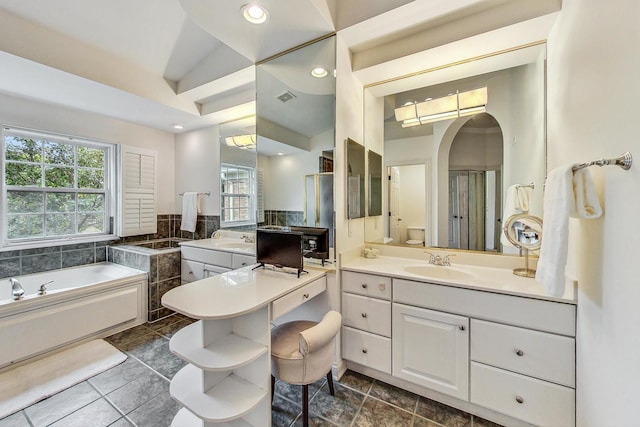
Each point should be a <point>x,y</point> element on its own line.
<point>80,302</point>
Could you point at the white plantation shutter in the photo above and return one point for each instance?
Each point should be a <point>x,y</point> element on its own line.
<point>260,196</point>
<point>138,193</point>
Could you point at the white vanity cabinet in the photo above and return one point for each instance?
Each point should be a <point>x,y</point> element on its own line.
<point>366,319</point>
<point>200,263</point>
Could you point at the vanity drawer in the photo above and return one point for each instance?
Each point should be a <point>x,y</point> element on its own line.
<point>538,354</point>
<point>366,284</point>
<point>207,256</point>
<point>369,314</point>
<point>190,271</point>
<point>299,296</point>
<point>366,349</point>
<point>240,261</point>
<point>528,399</point>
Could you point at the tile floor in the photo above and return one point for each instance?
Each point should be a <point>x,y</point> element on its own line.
<point>136,393</point>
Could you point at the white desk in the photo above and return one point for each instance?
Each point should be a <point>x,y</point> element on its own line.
<point>227,381</point>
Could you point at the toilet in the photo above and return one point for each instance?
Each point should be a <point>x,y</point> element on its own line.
<point>415,236</point>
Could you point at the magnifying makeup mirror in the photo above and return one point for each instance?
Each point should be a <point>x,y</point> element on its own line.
<point>524,231</point>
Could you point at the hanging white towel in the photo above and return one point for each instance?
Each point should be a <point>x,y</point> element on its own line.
<point>189,211</point>
<point>523,198</point>
<point>565,195</point>
<point>516,201</point>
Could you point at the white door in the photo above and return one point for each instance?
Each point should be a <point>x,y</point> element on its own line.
<point>394,204</point>
<point>454,221</point>
<point>431,349</point>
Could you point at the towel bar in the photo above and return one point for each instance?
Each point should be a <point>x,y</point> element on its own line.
<point>208,193</point>
<point>624,161</point>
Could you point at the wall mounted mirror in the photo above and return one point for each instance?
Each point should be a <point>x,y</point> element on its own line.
<point>295,123</point>
<point>374,191</point>
<point>355,179</point>
<point>470,154</point>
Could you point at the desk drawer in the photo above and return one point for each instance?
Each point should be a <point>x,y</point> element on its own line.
<point>528,399</point>
<point>366,349</point>
<point>369,314</point>
<point>538,354</point>
<point>299,296</point>
<point>366,284</point>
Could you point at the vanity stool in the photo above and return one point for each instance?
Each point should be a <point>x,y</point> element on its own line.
<point>302,352</point>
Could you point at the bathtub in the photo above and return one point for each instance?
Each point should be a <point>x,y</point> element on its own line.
<point>80,303</point>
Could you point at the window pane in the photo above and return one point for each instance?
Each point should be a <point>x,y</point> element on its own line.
<point>22,226</point>
<point>58,177</point>
<point>90,202</point>
<point>90,157</point>
<point>22,174</point>
<point>90,223</point>
<point>22,149</point>
<point>90,178</point>
<point>60,224</point>
<point>61,202</point>
<point>24,202</point>
<point>56,153</point>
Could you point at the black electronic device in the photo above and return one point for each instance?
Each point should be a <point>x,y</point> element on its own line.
<point>315,242</point>
<point>279,248</point>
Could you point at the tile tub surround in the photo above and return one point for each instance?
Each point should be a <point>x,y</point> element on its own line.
<point>136,393</point>
<point>283,218</point>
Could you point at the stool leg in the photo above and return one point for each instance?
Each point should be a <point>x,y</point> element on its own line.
<point>273,387</point>
<point>305,405</point>
<point>330,382</point>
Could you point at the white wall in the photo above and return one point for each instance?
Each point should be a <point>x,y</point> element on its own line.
<point>197,162</point>
<point>593,88</point>
<point>52,118</point>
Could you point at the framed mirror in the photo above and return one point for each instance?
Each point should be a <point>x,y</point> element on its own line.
<point>475,128</point>
<point>355,179</point>
<point>374,175</point>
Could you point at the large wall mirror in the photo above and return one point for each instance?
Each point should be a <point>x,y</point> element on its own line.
<point>458,142</point>
<point>295,125</point>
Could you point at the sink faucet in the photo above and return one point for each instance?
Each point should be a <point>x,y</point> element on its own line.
<point>436,259</point>
<point>248,238</point>
<point>16,288</point>
<point>43,287</point>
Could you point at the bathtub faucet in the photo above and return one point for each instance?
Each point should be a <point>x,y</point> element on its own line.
<point>43,287</point>
<point>16,288</point>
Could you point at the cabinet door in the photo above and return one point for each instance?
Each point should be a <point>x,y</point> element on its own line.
<point>431,349</point>
<point>191,271</point>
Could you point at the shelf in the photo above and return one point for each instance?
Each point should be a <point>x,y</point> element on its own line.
<point>184,418</point>
<point>227,353</point>
<point>231,398</point>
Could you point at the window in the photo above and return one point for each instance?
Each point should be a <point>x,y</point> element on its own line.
<point>237,194</point>
<point>55,187</point>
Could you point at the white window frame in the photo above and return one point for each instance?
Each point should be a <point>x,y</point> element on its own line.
<point>110,178</point>
<point>251,196</point>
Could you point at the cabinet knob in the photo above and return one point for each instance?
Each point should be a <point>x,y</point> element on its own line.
<point>364,350</point>
<point>461,327</point>
<point>519,399</point>
<point>364,286</point>
<point>519,352</point>
<point>305,296</point>
<point>364,315</point>
<point>382,286</point>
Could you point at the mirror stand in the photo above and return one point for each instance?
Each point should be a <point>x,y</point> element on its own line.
<point>526,271</point>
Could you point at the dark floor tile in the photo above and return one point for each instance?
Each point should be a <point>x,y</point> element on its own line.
<point>315,421</point>
<point>339,409</point>
<point>423,422</point>
<point>96,414</point>
<point>394,395</point>
<point>164,322</point>
<point>122,339</point>
<point>376,413</point>
<point>170,330</point>
<point>481,422</point>
<point>139,391</point>
<point>61,404</point>
<point>119,375</point>
<point>293,392</point>
<point>283,412</point>
<point>16,420</point>
<point>356,381</point>
<point>157,412</point>
<point>442,414</point>
<point>165,362</point>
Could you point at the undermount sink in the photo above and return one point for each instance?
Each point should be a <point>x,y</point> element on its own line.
<point>439,272</point>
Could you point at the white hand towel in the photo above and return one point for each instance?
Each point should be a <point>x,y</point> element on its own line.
<point>189,211</point>
<point>523,198</point>
<point>565,195</point>
<point>516,201</point>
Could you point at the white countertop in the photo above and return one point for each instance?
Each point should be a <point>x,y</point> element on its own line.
<point>499,280</point>
<point>237,246</point>
<point>234,293</point>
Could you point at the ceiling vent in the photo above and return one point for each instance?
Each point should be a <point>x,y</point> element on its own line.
<point>286,96</point>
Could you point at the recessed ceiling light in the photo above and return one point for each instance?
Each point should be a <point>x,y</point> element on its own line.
<point>254,13</point>
<point>177,126</point>
<point>319,72</point>
<point>280,154</point>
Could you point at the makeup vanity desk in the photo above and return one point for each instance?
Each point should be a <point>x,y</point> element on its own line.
<point>227,381</point>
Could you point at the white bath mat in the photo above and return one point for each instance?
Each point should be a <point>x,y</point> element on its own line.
<point>30,383</point>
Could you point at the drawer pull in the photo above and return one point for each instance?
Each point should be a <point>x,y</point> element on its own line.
<point>382,286</point>
<point>364,315</point>
<point>364,350</point>
<point>519,352</point>
<point>364,286</point>
<point>461,327</point>
<point>305,296</point>
<point>519,399</point>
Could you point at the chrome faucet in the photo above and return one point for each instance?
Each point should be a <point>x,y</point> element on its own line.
<point>439,260</point>
<point>16,288</point>
<point>43,287</point>
<point>248,238</point>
